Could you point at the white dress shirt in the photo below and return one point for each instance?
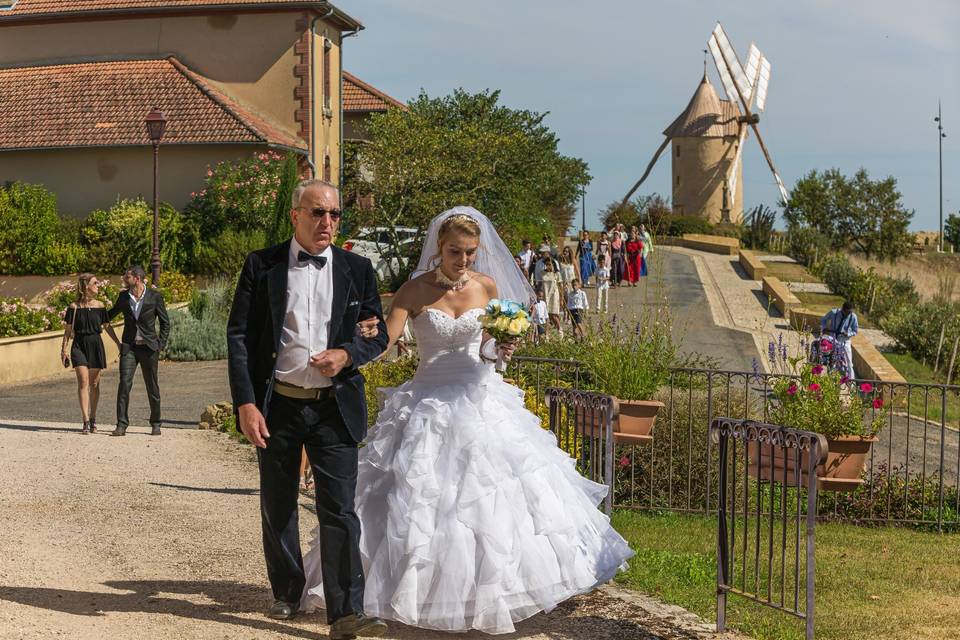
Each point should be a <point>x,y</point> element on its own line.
<point>307,319</point>
<point>135,304</point>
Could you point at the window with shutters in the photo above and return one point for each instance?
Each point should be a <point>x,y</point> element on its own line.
<point>327,97</point>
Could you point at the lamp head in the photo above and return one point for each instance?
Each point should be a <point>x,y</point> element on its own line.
<point>156,125</point>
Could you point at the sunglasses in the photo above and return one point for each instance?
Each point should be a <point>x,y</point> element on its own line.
<point>319,212</point>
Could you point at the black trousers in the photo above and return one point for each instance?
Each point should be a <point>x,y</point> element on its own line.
<point>148,361</point>
<point>318,426</point>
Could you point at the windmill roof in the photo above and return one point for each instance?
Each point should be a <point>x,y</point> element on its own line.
<point>705,116</point>
<point>103,104</point>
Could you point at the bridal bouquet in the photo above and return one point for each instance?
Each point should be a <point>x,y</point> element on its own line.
<point>506,321</point>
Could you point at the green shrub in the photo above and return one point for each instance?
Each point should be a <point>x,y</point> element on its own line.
<point>678,225</point>
<point>838,274</point>
<point>19,319</point>
<point>196,339</point>
<point>215,299</point>
<point>807,245</point>
<point>381,374</point>
<point>758,226</point>
<point>65,293</point>
<point>917,328</point>
<point>31,240</point>
<point>175,287</point>
<point>224,253</point>
<point>123,235</point>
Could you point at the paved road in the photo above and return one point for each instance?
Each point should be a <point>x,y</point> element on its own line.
<point>693,321</point>
<point>185,389</point>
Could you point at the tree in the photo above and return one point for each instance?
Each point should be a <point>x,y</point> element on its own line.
<point>853,213</point>
<point>951,231</point>
<point>651,210</point>
<point>616,213</point>
<point>463,149</point>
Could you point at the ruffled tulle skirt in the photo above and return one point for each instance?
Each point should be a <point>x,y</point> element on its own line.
<point>472,517</point>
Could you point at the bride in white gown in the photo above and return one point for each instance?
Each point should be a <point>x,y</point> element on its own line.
<point>472,517</point>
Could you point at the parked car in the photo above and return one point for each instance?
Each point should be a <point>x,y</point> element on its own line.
<point>374,243</point>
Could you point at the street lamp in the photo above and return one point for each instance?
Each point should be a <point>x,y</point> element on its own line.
<point>941,135</point>
<point>583,202</point>
<point>156,124</point>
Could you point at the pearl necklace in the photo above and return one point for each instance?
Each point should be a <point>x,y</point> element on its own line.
<point>447,283</point>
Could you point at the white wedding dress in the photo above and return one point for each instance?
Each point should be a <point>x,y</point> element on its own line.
<point>472,517</point>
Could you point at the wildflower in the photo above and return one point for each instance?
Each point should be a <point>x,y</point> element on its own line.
<point>878,403</point>
<point>817,370</point>
<point>814,386</point>
<point>772,351</point>
<point>209,173</point>
<point>844,379</point>
<point>826,346</point>
<point>792,390</point>
<point>624,461</point>
<point>756,369</point>
<point>866,387</point>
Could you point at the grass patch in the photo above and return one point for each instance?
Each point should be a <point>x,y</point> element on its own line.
<point>916,371</point>
<point>790,272</point>
<point>871,583</point>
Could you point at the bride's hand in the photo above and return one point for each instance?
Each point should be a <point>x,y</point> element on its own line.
<point>506,349</point>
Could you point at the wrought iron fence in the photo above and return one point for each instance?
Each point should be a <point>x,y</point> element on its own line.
<point>766,514</point>
<point>912,473</point>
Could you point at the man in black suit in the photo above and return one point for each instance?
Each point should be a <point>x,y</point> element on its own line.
<point>142,309</point>
<point>294,358</point>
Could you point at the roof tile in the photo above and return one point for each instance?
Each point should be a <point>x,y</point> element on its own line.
<point>360,96</point>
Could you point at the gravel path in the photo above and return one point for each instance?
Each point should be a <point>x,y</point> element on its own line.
<point>144,538</point>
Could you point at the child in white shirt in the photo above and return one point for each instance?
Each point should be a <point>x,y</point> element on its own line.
<point>603,288</point>
<point>577,305</point>
<point>538,316</point>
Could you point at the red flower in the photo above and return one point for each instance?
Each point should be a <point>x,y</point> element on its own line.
<point>845,379</point>
<point>624,461</point>
<point>866,387</point>
<point>826,346</point>
<point>817,370</point>
<point>814,387</point>
<point>792,390</point>
<point>878,403</point>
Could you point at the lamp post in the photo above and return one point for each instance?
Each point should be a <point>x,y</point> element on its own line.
<point>583,202</point>
<point>156,124</point>
<point>940,136</point>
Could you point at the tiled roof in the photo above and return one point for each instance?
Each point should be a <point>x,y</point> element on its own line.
<point>360,96</point>
<point>104,104</point>
<point>36,9</point>
<point>705,116</point>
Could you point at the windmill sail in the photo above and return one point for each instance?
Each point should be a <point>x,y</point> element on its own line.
<point>725,78</point>
<point>753,64</point>
<point>730,60</point>
<point>762,81</point>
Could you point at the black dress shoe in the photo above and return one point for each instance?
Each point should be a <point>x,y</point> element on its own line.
<point>119,431</point>
<point>357,625</point>
<point>282,610</point>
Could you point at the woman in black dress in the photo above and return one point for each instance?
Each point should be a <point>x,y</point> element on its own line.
<point>85,319</point>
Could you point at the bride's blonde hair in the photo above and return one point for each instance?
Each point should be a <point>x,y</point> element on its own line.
<point>457,223</point>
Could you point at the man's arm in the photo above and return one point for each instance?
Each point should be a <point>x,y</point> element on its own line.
<point>360,349</point>
<point>241,386</point>
<point>824,320</point>
<point>854,328</point>
<point>164,321</point>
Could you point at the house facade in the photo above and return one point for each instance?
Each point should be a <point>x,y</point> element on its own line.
<point>232,78</point>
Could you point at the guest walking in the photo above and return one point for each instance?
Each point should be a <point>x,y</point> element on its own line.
<point>569,271</point>
<point>539,318</point>
<point>647,250</point>
<point>585,256</point>
<point>85,320</point>
<point>577,306</point>
<point>603,250</point>
<point>551,293</point>
<point>603,287</point>
<point>634,249</point>
<point>618,270</point>
<point>527,258</point>
<point>142,310</point>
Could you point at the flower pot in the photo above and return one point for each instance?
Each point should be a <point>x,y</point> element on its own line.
<point>846,460</point>
<point>633,425</point>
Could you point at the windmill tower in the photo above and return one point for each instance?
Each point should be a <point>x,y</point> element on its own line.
<point>709,135</point>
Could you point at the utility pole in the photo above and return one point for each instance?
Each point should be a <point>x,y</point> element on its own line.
<point>940,136</point>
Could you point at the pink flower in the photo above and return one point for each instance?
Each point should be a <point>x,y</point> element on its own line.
<point>814,387</point>
<point>209,173</point>
<point>826,346</point>
<point>878,403</point>
<point>624,461</point>
<point>817,369</point>
<point>792,390</point>
<point>844,379</point>
<point>866,387</point>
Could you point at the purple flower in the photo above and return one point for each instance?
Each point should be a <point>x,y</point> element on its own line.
<point>792,389</point>
<point>817,369</point>
<point>772,351</point>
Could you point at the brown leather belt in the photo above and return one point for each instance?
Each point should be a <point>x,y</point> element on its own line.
<point>288,390</point>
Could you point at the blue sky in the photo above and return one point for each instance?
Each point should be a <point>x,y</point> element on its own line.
<point>854,83</point>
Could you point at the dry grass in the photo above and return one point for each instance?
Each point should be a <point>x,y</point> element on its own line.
<point>931,272</point>
<point>790,272</point>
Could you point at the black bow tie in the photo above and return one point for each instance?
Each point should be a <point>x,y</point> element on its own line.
<point>303,256</point>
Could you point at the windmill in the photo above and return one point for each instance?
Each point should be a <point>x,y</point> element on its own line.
<point>708,179</point>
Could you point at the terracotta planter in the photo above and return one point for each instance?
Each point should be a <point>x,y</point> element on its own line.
<point>846,460</point>
<point>634,424</point>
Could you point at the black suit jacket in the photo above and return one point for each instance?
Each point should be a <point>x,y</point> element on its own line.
<point>256,322</point>
<point>152,310</point>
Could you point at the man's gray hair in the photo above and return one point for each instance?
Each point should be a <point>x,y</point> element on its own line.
<point>303,185</point>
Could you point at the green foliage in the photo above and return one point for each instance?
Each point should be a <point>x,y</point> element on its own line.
<point>123,235</point>
<point>65,293</point>
<point>224,253</point>
<point>191,338</point>
<point>860,213</point>
<point>240,195</point>
<point>807,245</point>
<point>463,149</point>
<point>677,225</point>
<point>32,241</point>
<point>758,227</point>
<point>917,327</point>
<point>868,291</point>
<point>385,374</point>
<point>19,319</point>
<point>951,231</point>
<point>175,287</point>
<point>216,299</point>
<point>823,402</point>
<point>652,210</point>
<point>281,227</point>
